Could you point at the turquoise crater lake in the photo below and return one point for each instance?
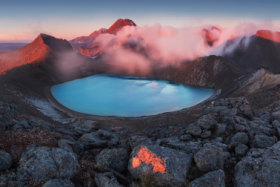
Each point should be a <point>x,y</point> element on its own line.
<point>126,96</point>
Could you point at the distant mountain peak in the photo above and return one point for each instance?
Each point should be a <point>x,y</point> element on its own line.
<point>39,50</point>
<point>85,44</point>
<point>52,42</point>
<point>119,24</point>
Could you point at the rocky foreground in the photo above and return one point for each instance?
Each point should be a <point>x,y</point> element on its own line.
<point>229,145</point>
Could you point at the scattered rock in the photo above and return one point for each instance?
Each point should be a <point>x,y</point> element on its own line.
<point>206,122</point>
<point>261,167</point>
<point>68,132</point>
<point>43,163</point>
<point>221,129</point>
<point>276,125</point>
<point>66,144</point>
<point>42,124</point>
<point>185,137</point>
<point>22,124</point>
<point>106,180</point>
<point>5,160</point>
<point>86,126</point>
<point>58,183</point>
<point>240,124</point>
<point>136,140</point>
<point>241,149</point>
<point>193,129</point>
<point>258,128</point>
<point>211,179</point>
<point>263,141</point>
<point>16,151</point>
<point>206,134</point>
<point>175,143</point>
<point>245,109</point>
<point>239,138</point>
<point>100,138</point>
<point>209,157</point>
<point>276,115</point>
<point>6,177</point>
<point>116,159</point>
<point>166,166</point>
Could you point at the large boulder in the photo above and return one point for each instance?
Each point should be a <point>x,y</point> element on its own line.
<point>209,157</point>
<point>166,166</point>
<point>44,163</point>
<point>211,179</point>
<point>257,127</point>
<point>115,159</point>
<point>5,160</point>
<point>261,167</point>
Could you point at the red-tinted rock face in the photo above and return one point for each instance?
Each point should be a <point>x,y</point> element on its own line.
<point>85,44</point>
<point>87,39</point>
<point>211,35</point>
<point>119,24</point>
<point>89,51</point>
<point>37,51</point>
<point>269,35</point>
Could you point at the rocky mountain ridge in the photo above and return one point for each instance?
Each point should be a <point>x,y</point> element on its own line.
<point>85,44</point>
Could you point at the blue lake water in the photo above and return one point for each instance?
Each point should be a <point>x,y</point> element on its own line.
<point>125,96</point>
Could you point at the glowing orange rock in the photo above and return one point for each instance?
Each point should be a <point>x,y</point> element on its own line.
<point>148,157</point>
<point>269,35</point>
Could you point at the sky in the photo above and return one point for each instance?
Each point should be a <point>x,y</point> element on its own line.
<point>23,20</point>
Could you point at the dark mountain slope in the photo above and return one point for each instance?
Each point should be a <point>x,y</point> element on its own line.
<point>253,53</point>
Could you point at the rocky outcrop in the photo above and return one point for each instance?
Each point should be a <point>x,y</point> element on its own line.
<point>166,166</point>
<point>115,159</point>
<point>177,154</point>
<point>261,167</point>
<point>258,80</point>
<point>43,163</point>
<point>263,141</point>
<point>209,158</point>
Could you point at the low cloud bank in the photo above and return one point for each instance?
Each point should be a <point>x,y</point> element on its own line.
<point>138,48</point>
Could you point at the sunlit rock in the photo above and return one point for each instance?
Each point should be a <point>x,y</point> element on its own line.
<point>166,166</point>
